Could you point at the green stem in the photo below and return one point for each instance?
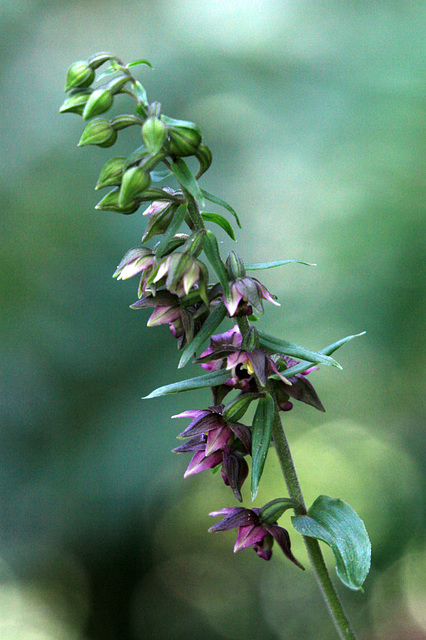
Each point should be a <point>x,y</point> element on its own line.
<point>329,593</point>
<point>315,555</point>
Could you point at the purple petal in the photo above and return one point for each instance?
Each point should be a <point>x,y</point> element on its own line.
<point>217,439</point>
<point>234,472</point>
<point>234,298</point>
<point>200,463</point>
<point>163,315</point>
<point>248,536</point>
<point>301,389</point>
<point>283,539</point>
<point>235,517</point>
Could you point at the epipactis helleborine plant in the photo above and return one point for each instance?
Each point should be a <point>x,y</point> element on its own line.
<point>243,365</point>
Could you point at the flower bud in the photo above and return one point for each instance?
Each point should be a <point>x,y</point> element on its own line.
<point>124,121</point>
<point>80,74</point>
<point>97,59</point>
<point>76,101</point>
<point>154,133</point>
<point>184,137</point>
<point>204,157</point>
<point>111,173</point>
<point>251,340</point>
<point>99,132</point>
<point>99,101</point>
<point>135,180</point>
<point>110,203</point>
<point>235,266</point>
<point>194,244</point>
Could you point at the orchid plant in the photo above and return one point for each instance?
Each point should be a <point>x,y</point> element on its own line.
<point>243,366</point>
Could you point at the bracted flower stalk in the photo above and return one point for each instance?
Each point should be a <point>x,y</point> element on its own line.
<point>175,283</point>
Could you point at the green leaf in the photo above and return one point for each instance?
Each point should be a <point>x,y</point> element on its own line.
<point>212,379</point>
<point>338,525</point>
<point>336,345</point>
<point>261,438</point>
<point>211,198</point>
<point>208,328</point>
<point>186,179</point>
<point>211,249</point>
<point>160,174</point>
<point>303,365</point>
<point>136,62</point>
<point>173,228</point>
<point>295,351</point>
<point>140,93</point>
<point>220,220</point>
<point>257,266</point>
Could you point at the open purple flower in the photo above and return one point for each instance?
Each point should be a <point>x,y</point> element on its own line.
<point>253,532</point>
<point>301,389</point>
<point>216,441</point>
<point>225,351</point>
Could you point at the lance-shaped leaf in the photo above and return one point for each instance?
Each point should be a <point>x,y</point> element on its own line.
<point>211,379</point>
<point>211,249</point>
<point>173,228</point>
<point>257,266</point>
<point>302,366</point>
<point>338,525</point>
<point>211,198</point>
<point>186,179</point>
<point>220,220</point>
<point>208,328</point>
<point>278,345</point>
<point>261,438</point>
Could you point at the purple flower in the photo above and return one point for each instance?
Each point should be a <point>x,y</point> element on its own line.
<point>252,531</point>
<point>137,260</point>
<point>216,441</point>
<point>249,290</point>
<point>181,272</point>
<point>301,389</point>
<point>184,321</point>
<point>225,352</point>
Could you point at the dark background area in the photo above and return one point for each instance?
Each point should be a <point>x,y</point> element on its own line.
<point>315,116</point>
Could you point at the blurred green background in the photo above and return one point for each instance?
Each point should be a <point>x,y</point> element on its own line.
<point>315,115</point>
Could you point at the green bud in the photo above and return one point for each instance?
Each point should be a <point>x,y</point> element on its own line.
<point>99,101</point>
<point>111,173</point>
<point>184,137</point>
<point>80,74</point>
<point>250,340</point>
<point>135,181</point>
<point>97,59</point>
<point>99,132</point>
<point>159,221</point>
<point>76,101</point>
<point>116,84</point>
<point>154,133</point>
<point>110,202</point>
<point>235,268</point>
<point>204,157</point>
<point>194,244</point>
<point>183,142</point>
<point>124,121</point>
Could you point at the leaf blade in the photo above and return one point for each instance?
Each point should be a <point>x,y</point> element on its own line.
<point>208,328</point>
<point>172,229</point>
<point>187,179</point>
<point>212,379</point>
<point>334,522</point>
<point>296,351</point>
<point>261,438</point>
<point>275,263</point>
<point>211,249</point>
<point>212,198</point>
<point>219,220</point>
